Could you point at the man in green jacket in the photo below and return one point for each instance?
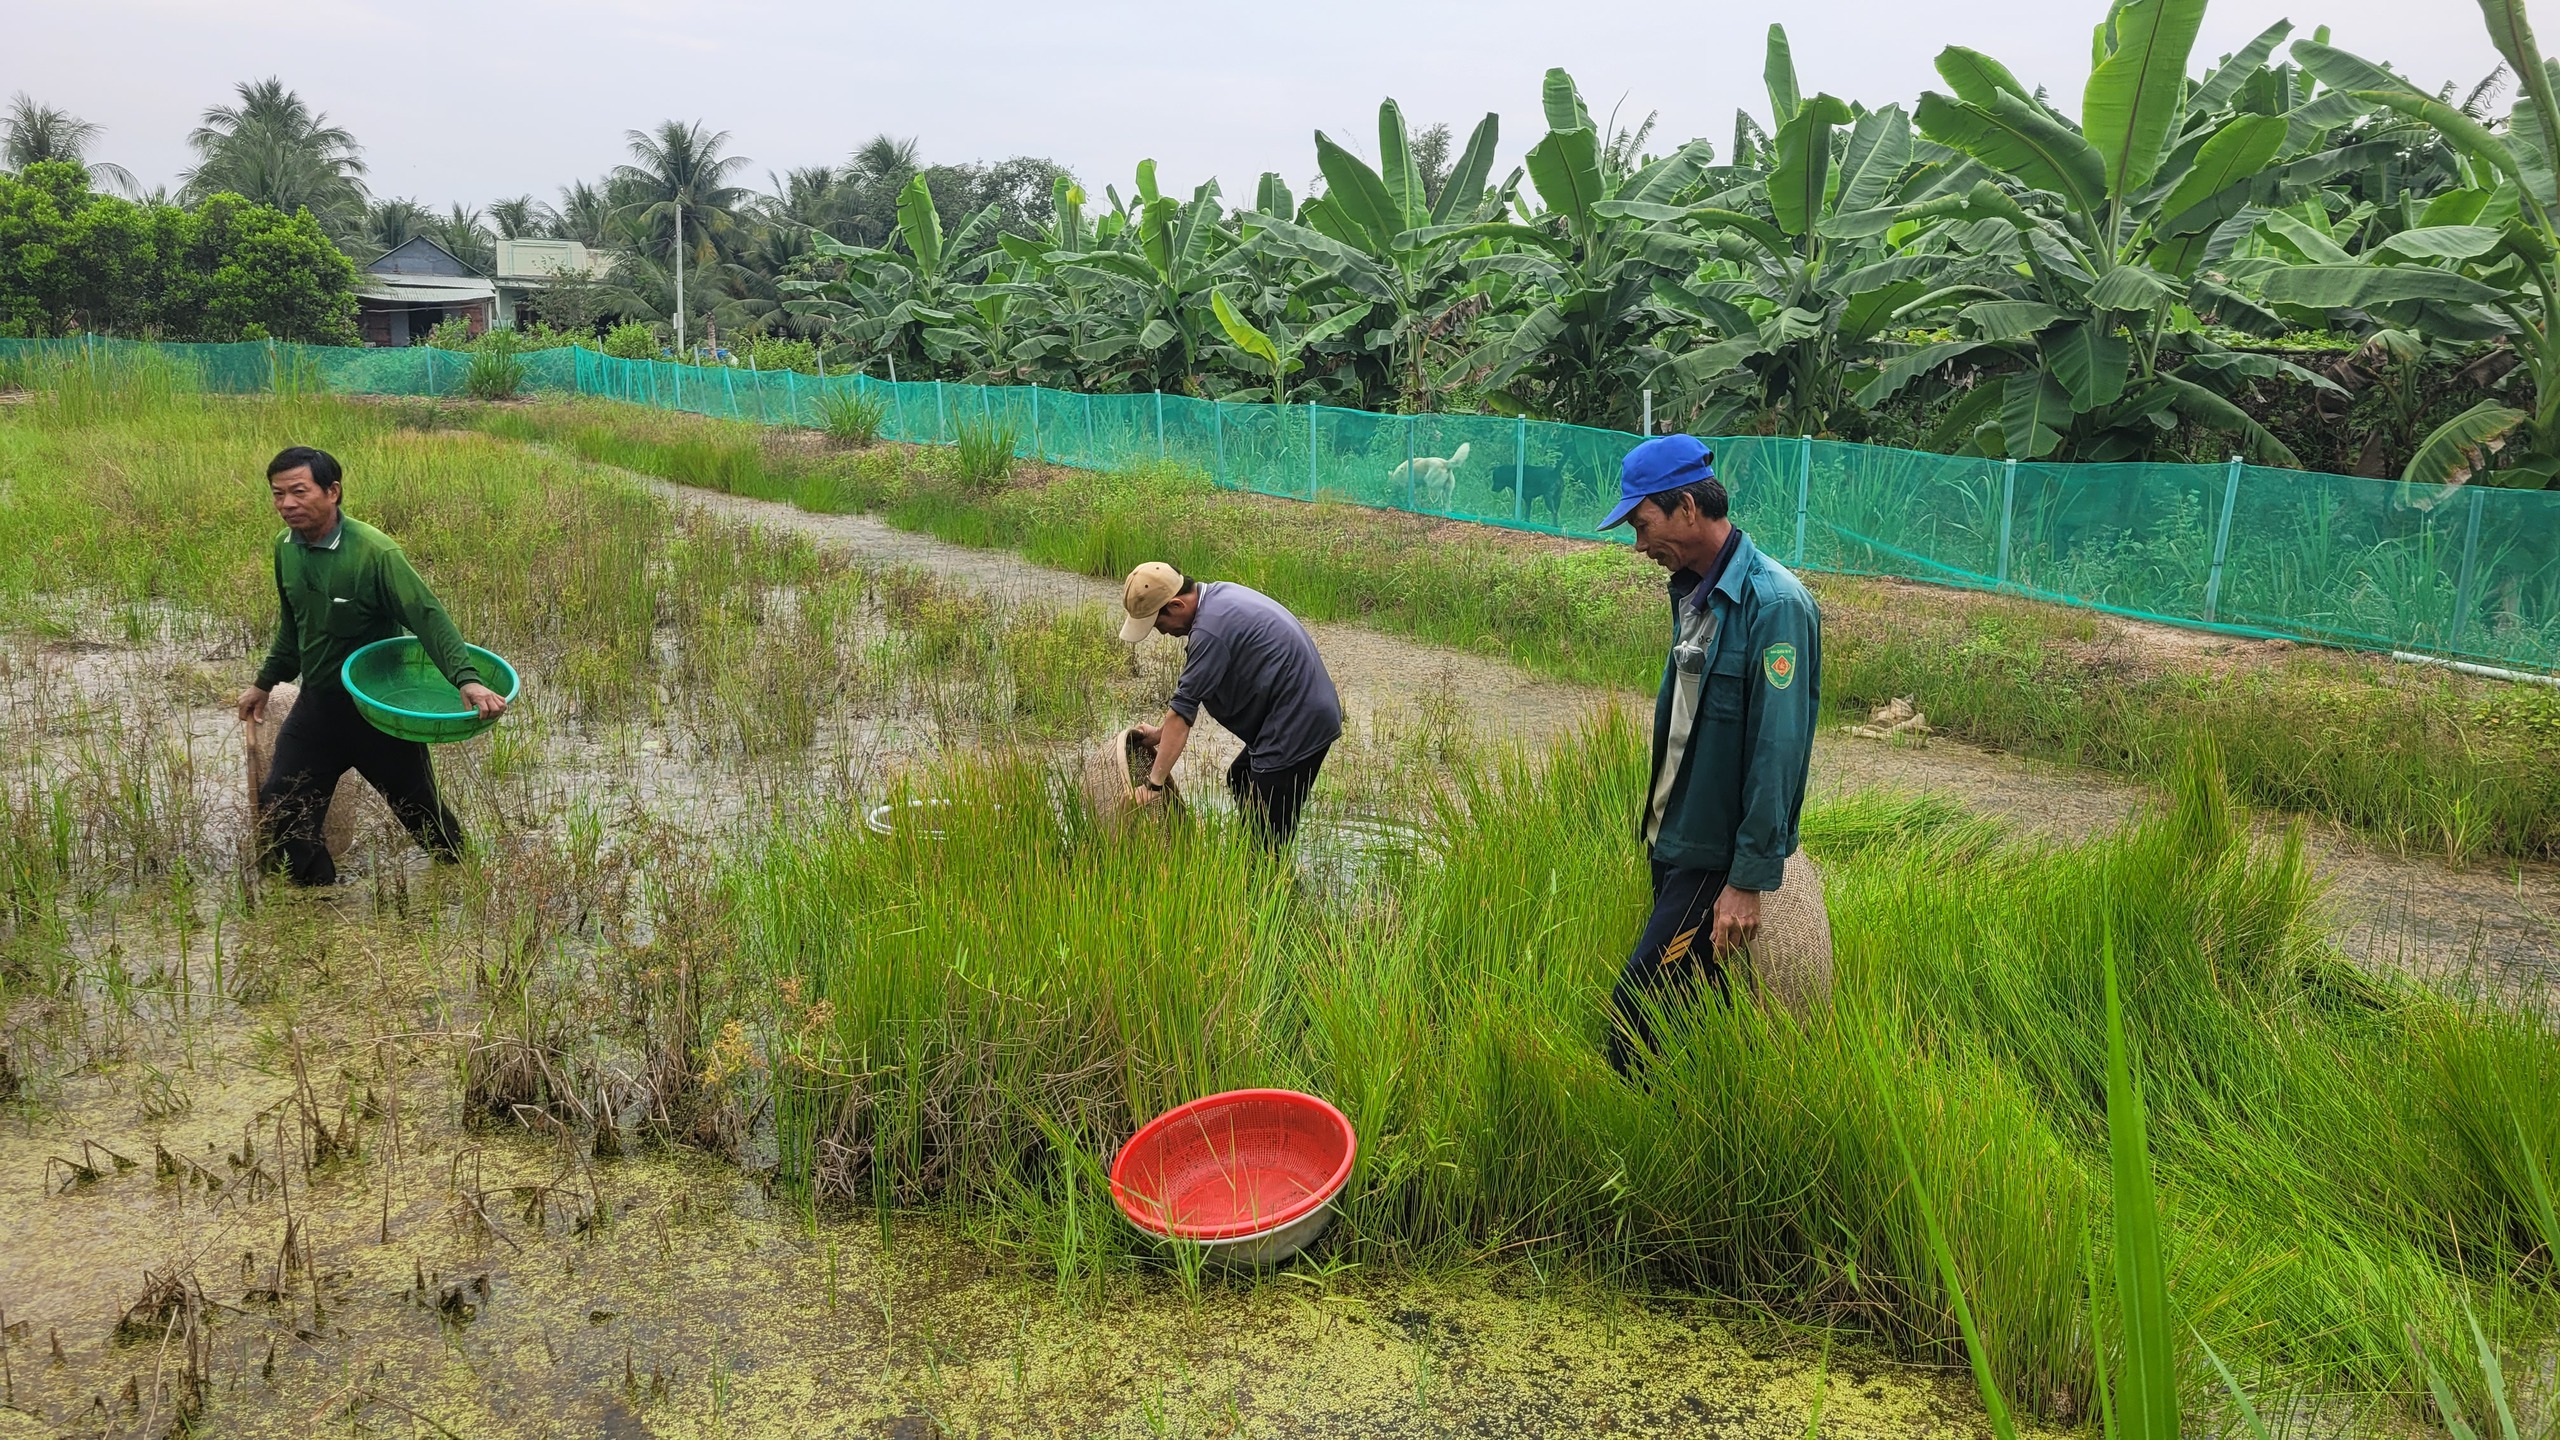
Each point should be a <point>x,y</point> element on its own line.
<point>1732,733</point>
<point>341,585</point>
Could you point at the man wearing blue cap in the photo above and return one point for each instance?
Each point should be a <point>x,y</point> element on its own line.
<point>1732,733</point>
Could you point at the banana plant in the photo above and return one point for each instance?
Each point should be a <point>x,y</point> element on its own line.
<point>1281,348</point>
<point>1075,335</point>
<point>1390,251</point>
<point>1801,289</point>
<point>2491,244</point>
<point>2090,337</point>
<point>903,302</point>
<point>1586,269</point>
<point>1162,264</point>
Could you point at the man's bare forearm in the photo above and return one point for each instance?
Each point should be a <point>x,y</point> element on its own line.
<point>1171,736</point>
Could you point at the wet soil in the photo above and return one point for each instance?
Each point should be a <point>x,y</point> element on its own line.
<point>2385,908</point>
<point>437,1280</point>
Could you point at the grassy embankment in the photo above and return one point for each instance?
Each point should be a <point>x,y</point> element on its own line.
<point>971,1022</point>
<point>2441,764</point>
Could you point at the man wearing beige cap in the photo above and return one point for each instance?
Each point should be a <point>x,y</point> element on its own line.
<point>1254,668</point>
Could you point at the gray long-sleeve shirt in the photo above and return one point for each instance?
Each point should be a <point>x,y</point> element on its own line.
<point>1256,671</point>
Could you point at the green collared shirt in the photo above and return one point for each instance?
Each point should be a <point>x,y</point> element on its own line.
<point>1733,727</point>
<point>345,592</point>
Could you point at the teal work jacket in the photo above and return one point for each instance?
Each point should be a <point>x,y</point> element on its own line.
<point>1733,725</point>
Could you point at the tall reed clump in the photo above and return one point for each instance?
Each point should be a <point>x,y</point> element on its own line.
<point>982,452</point>
<point>990,1000</point>
<point>851,418</point>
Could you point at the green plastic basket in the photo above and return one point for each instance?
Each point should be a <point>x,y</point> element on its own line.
<point>400,690</point>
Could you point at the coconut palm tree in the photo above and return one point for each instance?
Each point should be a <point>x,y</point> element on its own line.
<point>390,224</point>
<point>873,180</point>
<point>682,185</point>
<point>276,150</point>
<point>466,237</point>
<point>522,217</point>
<point>585,213</point>
<point>43,132</point>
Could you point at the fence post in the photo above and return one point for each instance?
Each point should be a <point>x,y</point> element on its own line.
<point>1311,450</point>
<point>2470,556</point>
<point>2221,541</point>
<point>1036,452</point>
<point>729,388</point>
<point>431,367</point>
<point>1218,423</point>
<point>1520,473</point>
<point>275,381</point>
<point>941,416</point>
<point>1804,492</point>
<point>1648,414</point>
<point>1408,461</point>
<point>1159,424</point>
<point>1092,452</point>
<point>2008,507</point>
<point>791,393</point>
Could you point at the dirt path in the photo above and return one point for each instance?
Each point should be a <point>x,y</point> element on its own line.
<point>2385,909</point>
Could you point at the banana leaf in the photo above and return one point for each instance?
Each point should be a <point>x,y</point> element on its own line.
<point>1976,77</point>
<point>1565,166</point>
<point>2229,158</point>
<point>2224,82</point>
<point>1778,72</point>
<point>1902,369</point>
<point>1465,185</point>
<point>2133,95</point>
<point>1355,190</point>
<point>2090,359</point>
<point>1406,196</point>
<point>2355,286</point>
<point>2021,139</point>
<point>1879,148</point>
<point>1803,173</point>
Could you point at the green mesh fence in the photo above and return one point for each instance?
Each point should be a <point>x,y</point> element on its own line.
<point>2371,564</point>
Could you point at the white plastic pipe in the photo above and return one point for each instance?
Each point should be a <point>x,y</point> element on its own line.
<point>2492,672</point>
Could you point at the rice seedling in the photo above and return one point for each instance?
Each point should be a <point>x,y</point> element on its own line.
<point>1019,991</point>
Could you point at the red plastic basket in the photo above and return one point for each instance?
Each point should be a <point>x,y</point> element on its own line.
<point>1227,1166</point>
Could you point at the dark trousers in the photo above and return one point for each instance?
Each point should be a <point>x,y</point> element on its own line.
<point>1271,800</point>
<point>322,739</point>
<point>1673,961</point>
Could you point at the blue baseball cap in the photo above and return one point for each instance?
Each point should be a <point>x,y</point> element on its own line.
<point>1665,462</point>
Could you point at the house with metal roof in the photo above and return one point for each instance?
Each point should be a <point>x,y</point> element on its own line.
<point>417,286</point>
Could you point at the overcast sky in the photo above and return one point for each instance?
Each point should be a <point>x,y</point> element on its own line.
<point>471,99</point>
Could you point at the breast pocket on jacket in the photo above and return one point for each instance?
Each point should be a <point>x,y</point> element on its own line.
<point>1728,684</point>
<point>346,617</point>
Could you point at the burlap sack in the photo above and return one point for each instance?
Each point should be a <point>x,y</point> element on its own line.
<point>353,802</point>
<point>1113,768</point>
<point>1791,957</point>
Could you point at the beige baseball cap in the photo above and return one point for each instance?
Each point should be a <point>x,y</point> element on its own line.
<point>1150,588</point>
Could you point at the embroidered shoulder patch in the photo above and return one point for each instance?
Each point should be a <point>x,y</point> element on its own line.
<point>1778,662</point>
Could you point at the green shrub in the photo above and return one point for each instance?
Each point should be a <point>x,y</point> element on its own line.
<point>631,340</point>
<point>851,418</point>
<point>453,334</point>
<point>984,449</point>
<point>768,353</point>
